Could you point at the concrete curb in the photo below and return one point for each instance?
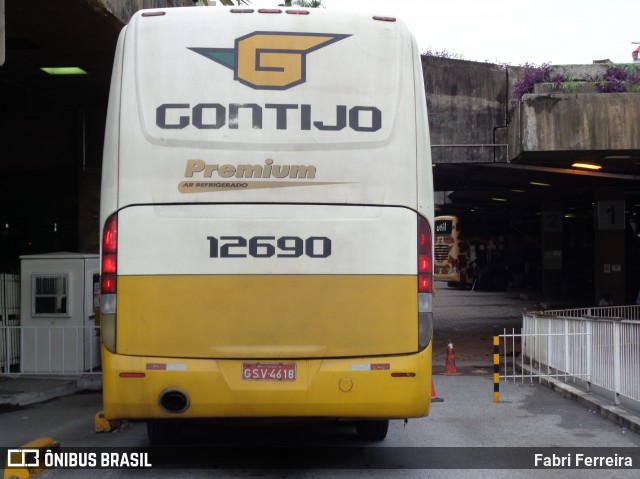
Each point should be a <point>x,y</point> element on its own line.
<point>616,414</point>
<point>41,394</point>
<point>23,390</point>
<point>613,413</point>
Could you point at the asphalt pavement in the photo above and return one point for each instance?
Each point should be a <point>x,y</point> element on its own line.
<point>465,319</point>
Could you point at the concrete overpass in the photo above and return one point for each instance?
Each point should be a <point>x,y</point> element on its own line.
<point>503,166</point>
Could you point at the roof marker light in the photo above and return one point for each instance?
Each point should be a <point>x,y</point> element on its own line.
<point>384,19</point>
<point>297,12</point>
<point>154,14</point>
<point>269,10</point>
<point>242,10</point>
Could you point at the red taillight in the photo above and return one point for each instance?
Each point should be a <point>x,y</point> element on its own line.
<point>110,235</point>
<point>108,284</point>
<point>424,283</point>
<point>424,263</point>
<point>425,258</point>
<point>109,256</point>
<point>109,263</point>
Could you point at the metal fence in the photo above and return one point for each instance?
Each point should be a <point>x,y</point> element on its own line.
<point>63,350</point>
<point>9,319</point>
<point>600,346</point>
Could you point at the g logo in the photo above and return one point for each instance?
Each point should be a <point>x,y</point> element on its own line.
<point>270,60</point>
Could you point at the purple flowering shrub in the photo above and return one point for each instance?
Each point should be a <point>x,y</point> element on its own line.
<point>532,75</point>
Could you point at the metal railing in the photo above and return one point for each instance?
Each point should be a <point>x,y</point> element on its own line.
<point>9,317</point>
<point>600,345</point>
<point>60,350</point>
<point>629,313</point>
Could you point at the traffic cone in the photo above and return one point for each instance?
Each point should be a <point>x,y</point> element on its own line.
<point>450,365</point>
<point>434,396</point>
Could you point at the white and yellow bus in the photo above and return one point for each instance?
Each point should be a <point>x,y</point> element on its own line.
<point>266,212</point>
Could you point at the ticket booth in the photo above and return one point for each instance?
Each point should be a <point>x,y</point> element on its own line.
<point>59,303</point>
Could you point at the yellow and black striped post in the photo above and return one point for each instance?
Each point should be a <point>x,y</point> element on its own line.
<point>496,365</point>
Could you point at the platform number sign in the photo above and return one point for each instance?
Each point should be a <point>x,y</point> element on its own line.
<point>551,221</point>
<point>610,215</point>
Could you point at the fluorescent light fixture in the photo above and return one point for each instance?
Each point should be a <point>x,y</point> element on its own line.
<point>588,166</point>
<point>537,183</point>
<point>64,70</point>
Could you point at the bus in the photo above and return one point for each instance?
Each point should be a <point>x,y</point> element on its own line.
<point>267,215</point>
<point>446,251</point>
<point>464,261</point>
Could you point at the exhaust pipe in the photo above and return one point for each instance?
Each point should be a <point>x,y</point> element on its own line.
<point>174,400</point>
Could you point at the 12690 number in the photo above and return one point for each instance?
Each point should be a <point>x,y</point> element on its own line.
<point>269,246</point>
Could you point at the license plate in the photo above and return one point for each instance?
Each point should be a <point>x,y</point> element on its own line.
<point>269,371</point>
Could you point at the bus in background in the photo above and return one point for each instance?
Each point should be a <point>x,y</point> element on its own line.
<point>467,262</point>
<point>446,252</point>
<point>267,216</point>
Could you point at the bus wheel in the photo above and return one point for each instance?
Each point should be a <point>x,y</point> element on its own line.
<point>162,433</point>
<point>372,430</point>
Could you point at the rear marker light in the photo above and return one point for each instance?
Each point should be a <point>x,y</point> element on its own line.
<point>154,14</point>
<point>132,375</point>
<point>269,10</point>
<point>403,375</point>
<point>242,10</point>
<point>297,12</point>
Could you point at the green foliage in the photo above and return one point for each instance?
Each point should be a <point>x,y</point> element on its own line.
<point>309,4</point>
<point>569,85</point>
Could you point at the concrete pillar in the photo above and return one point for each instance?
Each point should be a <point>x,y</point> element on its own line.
<point>551,226</point>
<point>609,245</point>
<point>89,170</point>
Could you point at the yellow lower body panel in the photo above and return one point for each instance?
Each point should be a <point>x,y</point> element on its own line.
<point>373,387</point>
<point>267,316</point>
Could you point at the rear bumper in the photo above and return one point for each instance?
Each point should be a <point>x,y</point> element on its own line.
<point>332,388</point>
